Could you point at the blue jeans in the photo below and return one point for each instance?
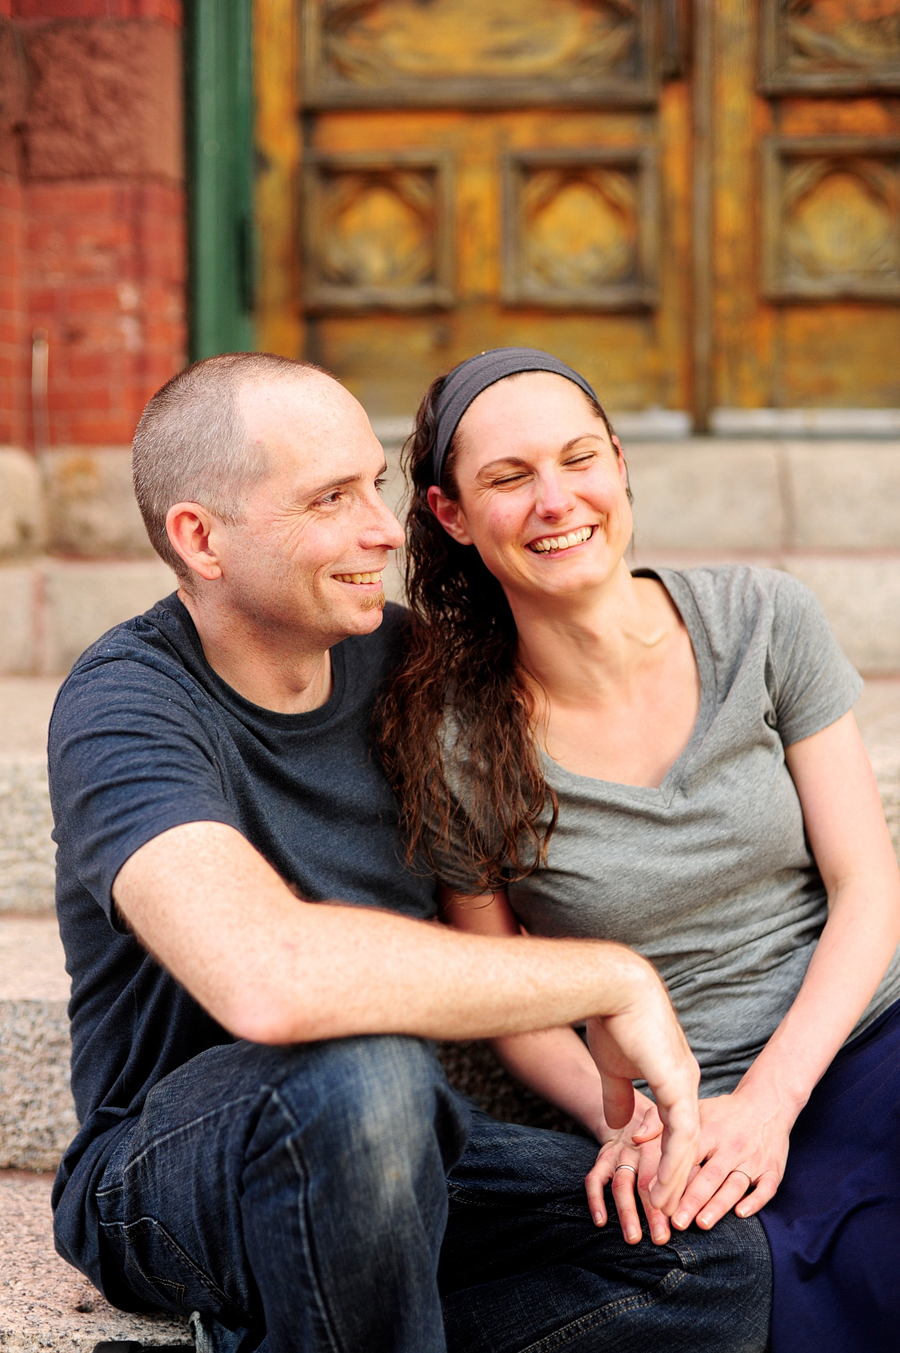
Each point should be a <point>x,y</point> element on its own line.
<point>340,1197</point>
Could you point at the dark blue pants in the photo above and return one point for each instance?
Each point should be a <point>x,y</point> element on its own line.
<point>341,1197</point>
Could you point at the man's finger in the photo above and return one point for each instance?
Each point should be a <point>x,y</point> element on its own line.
<point>623,1187</point>
<point>618,1099</point>
<point>680,1153</point>
<point>594,1186</point>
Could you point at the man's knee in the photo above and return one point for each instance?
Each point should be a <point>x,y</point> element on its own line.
<point>375,1105</point>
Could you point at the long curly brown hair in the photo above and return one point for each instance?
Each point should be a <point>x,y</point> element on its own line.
<point>458,710</point>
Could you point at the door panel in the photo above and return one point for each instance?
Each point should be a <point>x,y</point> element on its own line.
<point>554,235</point>
<point>806,171</point>
<point>486,172</point>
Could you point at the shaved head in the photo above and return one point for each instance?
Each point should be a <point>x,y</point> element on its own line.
<point>193,443</point>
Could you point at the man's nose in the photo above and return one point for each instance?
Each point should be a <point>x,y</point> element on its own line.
<point>382,530</point>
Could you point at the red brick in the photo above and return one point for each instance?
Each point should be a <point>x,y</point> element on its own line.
<point>169,11</point>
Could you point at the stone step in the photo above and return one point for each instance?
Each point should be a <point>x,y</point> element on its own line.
<point>44,1304</point>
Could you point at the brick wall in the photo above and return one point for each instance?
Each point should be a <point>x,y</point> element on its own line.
<point>92,216</point>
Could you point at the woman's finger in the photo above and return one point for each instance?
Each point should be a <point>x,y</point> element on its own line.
<point>701,1190</point>
<point>755,1201</point>
<point>625,1195</point>
<point>732,1190</point>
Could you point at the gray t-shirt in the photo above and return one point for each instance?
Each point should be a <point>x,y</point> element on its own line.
<point>710,875</point>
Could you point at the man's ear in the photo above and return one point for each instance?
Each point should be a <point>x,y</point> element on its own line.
<point>449,514</point>
<point>190,528</point>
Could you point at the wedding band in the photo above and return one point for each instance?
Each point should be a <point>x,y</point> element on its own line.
<point>632,1168</point>
<point>748,1177</point>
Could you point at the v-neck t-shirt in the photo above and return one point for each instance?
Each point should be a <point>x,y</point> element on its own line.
<point>710,875</point>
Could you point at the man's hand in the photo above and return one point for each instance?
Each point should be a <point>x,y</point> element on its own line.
<point>645,1040</point>
<point>636,1148</point>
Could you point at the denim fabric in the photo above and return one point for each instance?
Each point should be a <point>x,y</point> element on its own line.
<point>339,1197</point>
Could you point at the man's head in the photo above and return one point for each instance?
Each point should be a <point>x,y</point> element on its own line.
<point>258,478</point>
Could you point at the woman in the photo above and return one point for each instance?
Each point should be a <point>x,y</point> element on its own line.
<point>666,759</point>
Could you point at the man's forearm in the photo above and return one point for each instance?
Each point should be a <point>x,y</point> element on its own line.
<point>274,969</point>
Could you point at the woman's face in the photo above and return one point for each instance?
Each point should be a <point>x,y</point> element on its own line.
<point>542,489</point>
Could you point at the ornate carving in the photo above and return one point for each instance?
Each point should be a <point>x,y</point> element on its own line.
<point>581,229</point>
<point>832,217</point>
<point>378,232</point>
<point>394,52</point>
<point>822,46</point>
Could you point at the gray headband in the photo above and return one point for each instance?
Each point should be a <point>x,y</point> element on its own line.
<point>466,382</point>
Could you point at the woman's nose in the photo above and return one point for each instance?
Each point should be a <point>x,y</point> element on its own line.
<point>553,497</point>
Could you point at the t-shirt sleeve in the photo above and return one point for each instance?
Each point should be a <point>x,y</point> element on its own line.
<point>129,758</point>
<point>812,682</point>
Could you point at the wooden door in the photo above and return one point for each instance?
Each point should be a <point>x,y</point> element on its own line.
<point>804,118</point>
<point>698,207</point>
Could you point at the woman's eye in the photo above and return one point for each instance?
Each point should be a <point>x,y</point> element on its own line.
<point>579,462</point>
<point>509,479</point>
<point>380,482</point>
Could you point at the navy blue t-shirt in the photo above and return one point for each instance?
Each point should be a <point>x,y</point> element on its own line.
<point>144,737</point>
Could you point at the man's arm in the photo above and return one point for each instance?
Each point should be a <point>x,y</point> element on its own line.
<point>273,969</point>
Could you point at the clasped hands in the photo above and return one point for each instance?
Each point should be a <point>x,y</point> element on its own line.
<point>740,1163</point>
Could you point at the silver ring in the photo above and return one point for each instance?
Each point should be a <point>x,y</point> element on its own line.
<point>749,1178</point>
<point>632,1168</point>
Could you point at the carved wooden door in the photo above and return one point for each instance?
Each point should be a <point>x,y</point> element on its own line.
<point>698,206</point>
<point>804,116</point>
<point>486,172</point>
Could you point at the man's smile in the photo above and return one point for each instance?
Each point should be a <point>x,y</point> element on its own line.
<point>359,578</point>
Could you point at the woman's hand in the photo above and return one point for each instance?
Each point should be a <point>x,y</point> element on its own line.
<point>631,1168</point>
<point>744,1145</point>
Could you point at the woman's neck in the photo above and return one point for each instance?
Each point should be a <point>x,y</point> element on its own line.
<point>593,647</point>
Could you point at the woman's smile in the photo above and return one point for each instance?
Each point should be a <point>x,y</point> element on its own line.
<point>560,543</point>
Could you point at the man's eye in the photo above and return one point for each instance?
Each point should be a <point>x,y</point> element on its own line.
<point>329,499</point>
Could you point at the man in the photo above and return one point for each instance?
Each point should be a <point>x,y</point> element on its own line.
<point>266,1138</point>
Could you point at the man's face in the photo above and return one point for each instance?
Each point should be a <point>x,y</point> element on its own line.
<point>304,566</point>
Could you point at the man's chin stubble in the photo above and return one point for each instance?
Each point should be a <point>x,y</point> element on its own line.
<point>375,603</point>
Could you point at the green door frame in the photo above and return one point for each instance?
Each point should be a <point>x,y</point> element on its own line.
<point>219,133</point>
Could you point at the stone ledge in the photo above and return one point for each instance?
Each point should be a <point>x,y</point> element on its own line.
<point>51,609</point>
<point>44,1303</point>
<point>21,504</point>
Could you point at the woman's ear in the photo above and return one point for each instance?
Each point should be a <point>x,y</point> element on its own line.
<point>450,515</point>
<point>623,468</point>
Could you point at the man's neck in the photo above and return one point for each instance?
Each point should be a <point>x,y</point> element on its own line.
<point>285,681</point>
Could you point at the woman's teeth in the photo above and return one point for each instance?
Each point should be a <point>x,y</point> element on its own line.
<point>562,542</point>
<point>358,577</point>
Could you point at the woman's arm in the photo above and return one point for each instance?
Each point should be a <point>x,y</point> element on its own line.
<point>747,1131</point>
<point>556,1064</point>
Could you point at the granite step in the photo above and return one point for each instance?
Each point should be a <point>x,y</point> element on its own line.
<point>44,1304</point>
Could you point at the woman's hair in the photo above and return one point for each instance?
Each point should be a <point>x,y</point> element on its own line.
<point>459,703</point>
